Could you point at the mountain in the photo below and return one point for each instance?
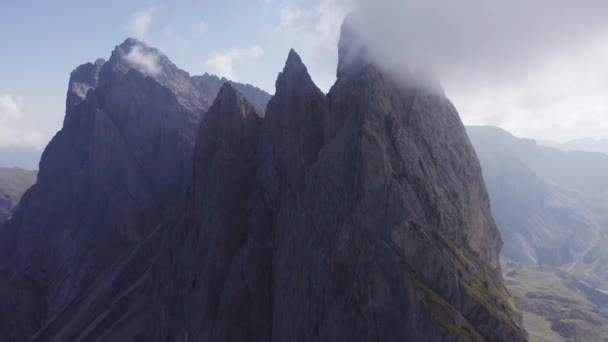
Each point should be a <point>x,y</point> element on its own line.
<point>555,231</point>
<point>210,84</point>
<point>575,170</point>
<point>13,183</point>
<point>158,215</point>
<point>583,144</point>
<point>122,158</point>
<point>550,205</point>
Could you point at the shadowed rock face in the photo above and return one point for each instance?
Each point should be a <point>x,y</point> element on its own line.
<point>120,163</point>
<point>209,84</point>
<point>106,179</point>
<point>367,220</point>
<point>356,216</point>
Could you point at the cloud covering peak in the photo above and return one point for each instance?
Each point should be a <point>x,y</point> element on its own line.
<point>536,68</point>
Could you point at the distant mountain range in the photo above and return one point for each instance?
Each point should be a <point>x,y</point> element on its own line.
<point>550,205</point>
<point>583,144</point>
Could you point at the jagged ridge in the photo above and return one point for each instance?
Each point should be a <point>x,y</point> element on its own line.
<point>356,216</point>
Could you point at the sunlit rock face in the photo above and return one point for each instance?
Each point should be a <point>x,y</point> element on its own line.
<point>359,215</point>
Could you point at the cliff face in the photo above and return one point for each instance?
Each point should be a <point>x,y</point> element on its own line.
<point>359,215</point>
<point>115,170</point>
<point>105,179</point>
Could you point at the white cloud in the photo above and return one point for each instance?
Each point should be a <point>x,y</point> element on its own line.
<point>144,61</point>
<point>536,68</point>
<point>324,38</point>
<point>289,18</point>
<point>315,33</point>
<point>140,22</point>
<point>562,97</point>
<point>10,107</point>
<point>222,64</point>
<point>13,132</point>
<point>549,82</point>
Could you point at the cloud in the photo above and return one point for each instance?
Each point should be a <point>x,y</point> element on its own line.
<point>314,31</point>
<point>482,36</point>
<point>10,107</point>
<point>13,130</point>
<point>537,68</point>
<point>561,98</point>
<point>289,18</point>
<point>222,64</point>
<point>140,21</point>
<point>143,60</point>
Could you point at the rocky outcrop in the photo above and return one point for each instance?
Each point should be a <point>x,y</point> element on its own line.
<point>106,179</point>
<point>211,85</point>
<point>367,219</point>
<point>359,215</point>
<point>13,183</point>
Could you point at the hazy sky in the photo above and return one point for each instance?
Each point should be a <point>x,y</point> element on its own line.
<point>536,68</point>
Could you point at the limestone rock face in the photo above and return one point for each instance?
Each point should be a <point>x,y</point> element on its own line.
<point>107,180</point>
<point>367,220</point>
<point>359,215</point>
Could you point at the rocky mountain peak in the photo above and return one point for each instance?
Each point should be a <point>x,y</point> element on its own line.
<point>231,122</point>
<point>231,102</point>
<point>135,62</point>
<point>83,79</point>
<point>294,83</point>
<point>356,216</point>
<point>293,60</point>
<point>133,54</point>
<point>294,76</point>
<point>210,85</point>
<point>293,129</point>
<point>353,54</point>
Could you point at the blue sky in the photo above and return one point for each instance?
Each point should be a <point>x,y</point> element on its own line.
<point>543,75</point>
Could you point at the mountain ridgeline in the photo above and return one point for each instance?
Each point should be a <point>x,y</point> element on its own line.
<point>160,215</point>
<point>549,204</point>
<point>550,207</point>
